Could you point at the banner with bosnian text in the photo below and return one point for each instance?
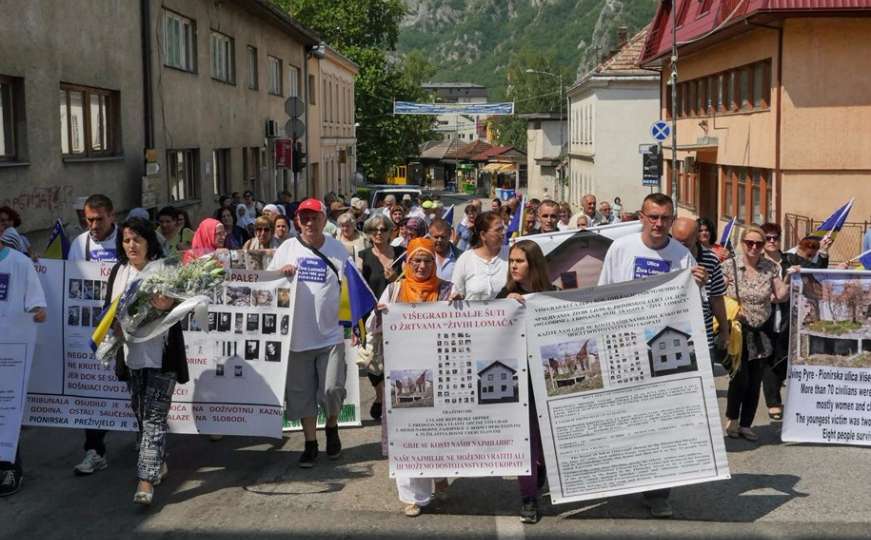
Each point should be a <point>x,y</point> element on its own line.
<point>624,388</point>
<point>17,343</point>
<point>829,378</point>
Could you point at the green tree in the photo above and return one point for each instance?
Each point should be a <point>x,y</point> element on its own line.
<point>366,31</point>
<point>538,91</point>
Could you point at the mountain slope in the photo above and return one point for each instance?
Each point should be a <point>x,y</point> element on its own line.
<point>473,40</point>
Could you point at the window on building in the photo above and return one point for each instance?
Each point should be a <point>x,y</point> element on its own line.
<point>10,102</point>
<point>250,166</point>
<point>744,99</point>
<point>731,102</point>
<point>702,103</point>
<point>748,195</point>
<point>761,84</point>
<point>661,345</point>
<point>221,171</point>
<point>678,355</point>
<point>504,376</point>
<point>718,91</point>
<point>676,342</point>
<point>274,66</point>
<point>223,57</point>
<point>89,121</point>
<point>179,41</point>
<point>253,76</point>
<point>292,81</point>
<point>182,175</point>
<point>691,99</point>
<point>489,376</point>
<point>504,387</point>
<point>663,358</point>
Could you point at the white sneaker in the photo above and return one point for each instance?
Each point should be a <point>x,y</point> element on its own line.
<point>92,463</point>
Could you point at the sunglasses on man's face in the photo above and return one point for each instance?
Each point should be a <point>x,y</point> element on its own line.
<point>751,244</point>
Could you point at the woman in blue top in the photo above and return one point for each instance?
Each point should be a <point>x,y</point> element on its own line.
<point>462,237</point>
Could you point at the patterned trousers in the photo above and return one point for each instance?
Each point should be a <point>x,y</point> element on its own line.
<point>150,398</point>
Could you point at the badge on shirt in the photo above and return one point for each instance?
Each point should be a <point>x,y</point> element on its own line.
<point>4,287</point>
<point>645,267</point>
<point>313,270</point>
<point>103,255</point>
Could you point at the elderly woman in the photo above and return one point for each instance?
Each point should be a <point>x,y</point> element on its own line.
<point>347,233</point>
<point>418,284</point>
<point>380,265</point>
<point>210,237</point>
<point>282,229</point>
<point>754,282</point>
<point>151,368</point>
<point>263,235</point>
<point>810,253</point>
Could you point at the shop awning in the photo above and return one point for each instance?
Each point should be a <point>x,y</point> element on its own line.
<point>496,168</point>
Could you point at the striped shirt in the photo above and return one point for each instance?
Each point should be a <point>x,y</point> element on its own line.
<point>715,286</point>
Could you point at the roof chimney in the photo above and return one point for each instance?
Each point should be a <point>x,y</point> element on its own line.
<point>622,36</point>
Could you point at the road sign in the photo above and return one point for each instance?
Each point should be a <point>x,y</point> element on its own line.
<point>650,182</point>
<point>660,130</point>
<point>646,148</point>
<point>294,128</point>
<point>294,107</point>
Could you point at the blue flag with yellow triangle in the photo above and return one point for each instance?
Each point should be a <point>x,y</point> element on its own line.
<point>58,246</point>
<point>356,301</point>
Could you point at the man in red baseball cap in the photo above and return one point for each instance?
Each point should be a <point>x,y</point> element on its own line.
<point>316,365</point>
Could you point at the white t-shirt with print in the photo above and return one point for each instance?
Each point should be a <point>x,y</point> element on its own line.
<point>479,279</point>
<point>628,258</point>
<point>316,308</point>
<point>100,250</point>
<point>20,289</point>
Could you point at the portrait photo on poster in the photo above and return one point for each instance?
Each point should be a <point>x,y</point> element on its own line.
<point>237,296</point>
<point>571,367</point>
<point>273,351</point>
<point>411,388</point>
<point>263,298</point>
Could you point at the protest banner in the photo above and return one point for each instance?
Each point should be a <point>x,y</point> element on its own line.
<point>456,389</point>
<point>829,377</point>
<point>574,257</point>
<point>69,387</point>
<point>624,389</point>
<point>17,343</point>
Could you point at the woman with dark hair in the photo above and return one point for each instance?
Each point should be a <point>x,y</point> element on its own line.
<point>480,272</point>
<point>810,253</point>
<point>151,368</point>
<point>462,236</point>
<point>282,229</point>
<point>707,236</point>
<point>237,236</point>
<point>185,229</point>
<point>10,219</point>
<point>527,273</point>
<point>263,238</point>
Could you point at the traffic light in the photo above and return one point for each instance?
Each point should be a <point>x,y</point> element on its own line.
<point>651,164</point>
<point>298,164</point>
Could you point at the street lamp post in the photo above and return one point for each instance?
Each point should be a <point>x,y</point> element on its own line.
<point>562,138</point>
<point>674,168</point>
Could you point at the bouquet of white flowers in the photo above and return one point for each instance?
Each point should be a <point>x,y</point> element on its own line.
<point>140,320</point>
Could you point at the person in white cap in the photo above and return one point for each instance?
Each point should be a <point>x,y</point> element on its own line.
<point>316,365</point>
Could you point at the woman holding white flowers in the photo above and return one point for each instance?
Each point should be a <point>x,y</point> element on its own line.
<point>153,367</point>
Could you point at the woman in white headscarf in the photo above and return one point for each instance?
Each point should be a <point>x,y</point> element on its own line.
<point>244,220</point>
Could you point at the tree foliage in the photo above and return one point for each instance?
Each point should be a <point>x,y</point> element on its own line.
<point>366,31</point>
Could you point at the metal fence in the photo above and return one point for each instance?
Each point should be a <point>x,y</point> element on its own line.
<point>848,243</point>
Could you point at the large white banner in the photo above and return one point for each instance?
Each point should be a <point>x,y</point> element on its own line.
<point>237,372</point>
<point>456,389</point>
<point>17,343</point>
<point>574,257</point>
<point>829,382</point>
<point>624,388</point>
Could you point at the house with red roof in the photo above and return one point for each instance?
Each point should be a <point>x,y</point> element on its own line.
<point>773,109</point>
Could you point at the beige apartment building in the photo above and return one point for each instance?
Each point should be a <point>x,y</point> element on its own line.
<point>773,111</point>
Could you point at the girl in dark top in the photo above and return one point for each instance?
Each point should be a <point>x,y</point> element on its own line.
<point>236,236</point>
<point>527,273</point>
<point>380,265</point>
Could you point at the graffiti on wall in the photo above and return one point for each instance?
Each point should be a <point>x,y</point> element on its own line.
<point>41,198</point>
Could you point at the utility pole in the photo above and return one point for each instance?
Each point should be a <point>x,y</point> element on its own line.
<point>562,139</point>
<point>674,166</point>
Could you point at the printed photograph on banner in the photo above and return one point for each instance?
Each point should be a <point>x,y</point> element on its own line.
<point>835,321</point>
<point>282,298</point>
<point>273,351</point>
<point>238,296</point>
<point>263,298</point>
<point>572,367</point>
<point>75,289</point>
<point>497,381</point>
<point>670,349</point>
<point>411,388</point>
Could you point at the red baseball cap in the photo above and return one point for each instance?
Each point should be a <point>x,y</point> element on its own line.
<point>312,205</point>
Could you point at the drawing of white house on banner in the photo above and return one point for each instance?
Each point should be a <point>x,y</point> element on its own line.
<point>497,382</point>
<point>670,351</point>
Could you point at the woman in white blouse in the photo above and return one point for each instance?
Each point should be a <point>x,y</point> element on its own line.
<point>480,273</point>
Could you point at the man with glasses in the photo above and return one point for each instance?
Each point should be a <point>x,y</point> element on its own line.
<point>548,216</point>
<point>637,256</point>
<point>316,366</point>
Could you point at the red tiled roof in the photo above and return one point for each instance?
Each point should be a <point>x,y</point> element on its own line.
<point>490,152</point>
<point>698,18</point>
<point>627,59</point>
<point>467,151</point>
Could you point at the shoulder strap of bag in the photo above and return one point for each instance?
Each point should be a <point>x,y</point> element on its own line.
<point>735,268</point>
<point>323,257</point>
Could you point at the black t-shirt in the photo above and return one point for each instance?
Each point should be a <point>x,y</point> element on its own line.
<point>373,271</point>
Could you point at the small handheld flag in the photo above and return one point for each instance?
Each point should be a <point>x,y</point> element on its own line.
<point>107,317</point>
<point>726,236</point>
<point>448,215</point>
<point>58,246</point>
<point>514,225</point>
<point>357,300</point>
<point>863,258</point>
<point>835,222</point>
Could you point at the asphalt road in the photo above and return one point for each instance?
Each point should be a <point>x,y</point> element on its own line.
<point>251,488</point>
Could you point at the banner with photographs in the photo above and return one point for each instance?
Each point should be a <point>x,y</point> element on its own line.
<point>17,343</point>
<point>456,389</point>
<point>829,378</point>
<point>575,257</point>
<point>624,388</point>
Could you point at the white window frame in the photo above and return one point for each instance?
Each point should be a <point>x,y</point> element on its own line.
<point>179,41</point>
<point>273,65</point>
<point>223,57</point>
<point>292,80</point>
<point>253,74</point>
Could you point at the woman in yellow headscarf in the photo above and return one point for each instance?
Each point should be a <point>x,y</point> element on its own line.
<point>419,283</point>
